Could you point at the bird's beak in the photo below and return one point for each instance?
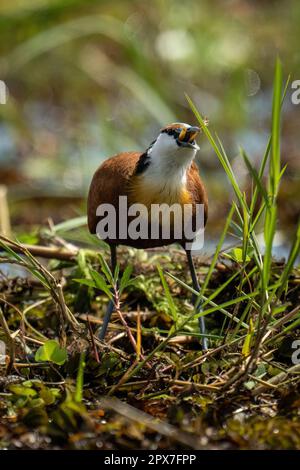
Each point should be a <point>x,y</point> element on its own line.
<point>188,134</point>
<point>193,132</point>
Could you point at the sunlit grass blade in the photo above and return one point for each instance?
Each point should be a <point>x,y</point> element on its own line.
<point>217,250</point>
<point>207,300</point>
<point>255,176</point>
<point>172,306</point>
<point>80,379</point>
<point>220,152</point>
<point>70,224</point>
<point>275,150</point>
<point>294,253</point>
<point>274,178</point>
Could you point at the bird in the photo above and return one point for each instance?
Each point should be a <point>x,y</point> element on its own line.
<point>164,174</point>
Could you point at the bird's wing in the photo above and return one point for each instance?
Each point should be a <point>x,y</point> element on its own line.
<point>109,182</point>
<point>197,189</point>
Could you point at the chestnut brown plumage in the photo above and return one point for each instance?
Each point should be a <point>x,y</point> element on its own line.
<point>114,178</point>
<point>126,174</point>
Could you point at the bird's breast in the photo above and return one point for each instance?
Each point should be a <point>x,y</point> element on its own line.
<point>148,193</point>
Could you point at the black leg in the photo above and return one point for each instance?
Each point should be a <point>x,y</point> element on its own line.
<point>110,307</point>
<point>195,299</point>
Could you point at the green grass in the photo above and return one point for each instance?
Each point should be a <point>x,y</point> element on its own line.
<point>248,216</point>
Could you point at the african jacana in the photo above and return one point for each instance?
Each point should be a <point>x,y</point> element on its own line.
<point>165,173</point>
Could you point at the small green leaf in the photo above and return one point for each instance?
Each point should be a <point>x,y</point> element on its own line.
<point>116,274</point>
<point>29,238</point>
<point>250,385</point>
<point>125,278</point>
<point>260,370</point>
<point>17,389</point>
<point>47,395</point>
<point>105,269</point>
<point>101,283</point>
<point>51,352</point>
<point>86,282</point>
<point>247,343</point>
<point>237,255</point>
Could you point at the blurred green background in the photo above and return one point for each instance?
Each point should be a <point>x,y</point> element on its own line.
<point>90,78</point>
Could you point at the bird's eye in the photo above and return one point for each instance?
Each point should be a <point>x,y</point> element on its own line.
<point>172,131</point>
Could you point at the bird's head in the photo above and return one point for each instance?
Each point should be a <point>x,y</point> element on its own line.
<point>175,144</point>
<point>170,155</point>
<point>180,135</point>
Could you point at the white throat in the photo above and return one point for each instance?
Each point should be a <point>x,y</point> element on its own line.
<point>169,163</point>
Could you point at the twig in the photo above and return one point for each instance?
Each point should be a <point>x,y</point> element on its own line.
<point>197,386</point>
<point>155,424</point>
<point>117,337</point>
<point>262,382</point>
<point>30,365</point>
<point>23,317</point>
<point>138,336</point>
<point>10,341</point>
<point>277,380</point>
<point>68,315</point>
<point>128,330</point>
<point>93,341</point>
<point>201,359</point>
<point>273,328</point>
<point>5,227</point>
<point>122,380</point>
<point>135,385</point>
<point>47,252</point>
